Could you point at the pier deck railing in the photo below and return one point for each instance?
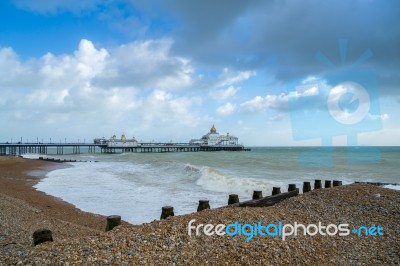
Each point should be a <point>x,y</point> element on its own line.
<point>77,148</point>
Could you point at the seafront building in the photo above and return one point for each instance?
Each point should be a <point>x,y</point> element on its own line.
<point>123,142</point>
<point>213,138</point>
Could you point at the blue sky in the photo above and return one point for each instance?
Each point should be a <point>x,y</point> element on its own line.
<point>168,70</point>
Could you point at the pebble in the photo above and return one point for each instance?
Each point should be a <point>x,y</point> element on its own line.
<point>167,242</point>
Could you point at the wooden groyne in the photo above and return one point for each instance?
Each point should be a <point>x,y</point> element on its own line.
<point>266,201</point>
<point>63,160</point>
<point>45,235</point>
<point>377,183</point>
<point>276,195</point>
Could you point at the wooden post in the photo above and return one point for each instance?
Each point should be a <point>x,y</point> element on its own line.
<point>317,184</point>
<point>306,187</point>
<point>41,236</point>
<point>257,194</point>
<point>276,190</point>
<point>267,201</point>
<point>233,198</point>
<point>166,212</point>
<point>113,221</point>
<point>327,183</point>
<point>337,183</point>
<point>203,205</point>
<point>291,187</point>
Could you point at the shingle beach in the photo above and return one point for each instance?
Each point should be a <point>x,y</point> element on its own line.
<point>79,237</point>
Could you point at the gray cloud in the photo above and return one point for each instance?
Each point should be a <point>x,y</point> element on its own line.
<point>246,34</point>
<point>251,34</point>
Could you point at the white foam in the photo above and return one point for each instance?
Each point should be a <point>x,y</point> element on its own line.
<point>31,155</point>
<point>213,180</point>
<point>105,188</point>
<point>395,187</point>
<point>137,186</point>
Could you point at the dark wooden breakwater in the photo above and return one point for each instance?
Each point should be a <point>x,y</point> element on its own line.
<point>77,148</point>
<point>45,235</point>
<point>63,160</point>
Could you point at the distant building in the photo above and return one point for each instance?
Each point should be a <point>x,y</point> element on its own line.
<point>213,138</point>
<point>123,142</point>
<point>101,141</point>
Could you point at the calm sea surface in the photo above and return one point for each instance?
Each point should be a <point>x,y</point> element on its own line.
<point>137,185</point>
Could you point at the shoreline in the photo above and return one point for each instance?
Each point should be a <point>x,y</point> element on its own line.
<point>79,237</point>
<point>25,209</point>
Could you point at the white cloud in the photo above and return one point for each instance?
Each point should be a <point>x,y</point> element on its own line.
<point>307,90</point>
<point>229,77</point>
<point>310,79</point>
<point>259,103</point>
<point>90,61</point>
<point>223,94</point>
<point>147,64</point>
<point>11,69</point>
<point>135,85</point>
<point>226,109</point>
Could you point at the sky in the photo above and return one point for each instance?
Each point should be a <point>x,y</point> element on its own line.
<point>272,73</point>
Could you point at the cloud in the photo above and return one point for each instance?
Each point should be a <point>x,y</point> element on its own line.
<point>226,109</point>
<point>164,107</point>
<point>223,94</point>
<point>260,104</point>
<point>150,63</point>
<point>147,64</point>
<point>229,77</point>
<point>251,32</point>
<point>12,68</point>
<point>130,86</point>
<point>306,90</point>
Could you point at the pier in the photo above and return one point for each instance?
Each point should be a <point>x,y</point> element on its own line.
<point>212,141</point>
<point>171,147</point>
<point>48,148</point>
<point>77,148</point>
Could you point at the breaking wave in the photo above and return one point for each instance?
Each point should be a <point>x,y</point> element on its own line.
<point>214,180</point>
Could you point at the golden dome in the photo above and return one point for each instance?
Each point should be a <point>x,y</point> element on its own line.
<point>123,138</point>
<point>213,129</point>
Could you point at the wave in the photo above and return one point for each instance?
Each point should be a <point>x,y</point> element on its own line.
<point>189,168</point>
<point>395,187</point>
<point>31,155</point>
<point>214,180</point>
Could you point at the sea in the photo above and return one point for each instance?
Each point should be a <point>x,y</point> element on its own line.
<point>137,185</point>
